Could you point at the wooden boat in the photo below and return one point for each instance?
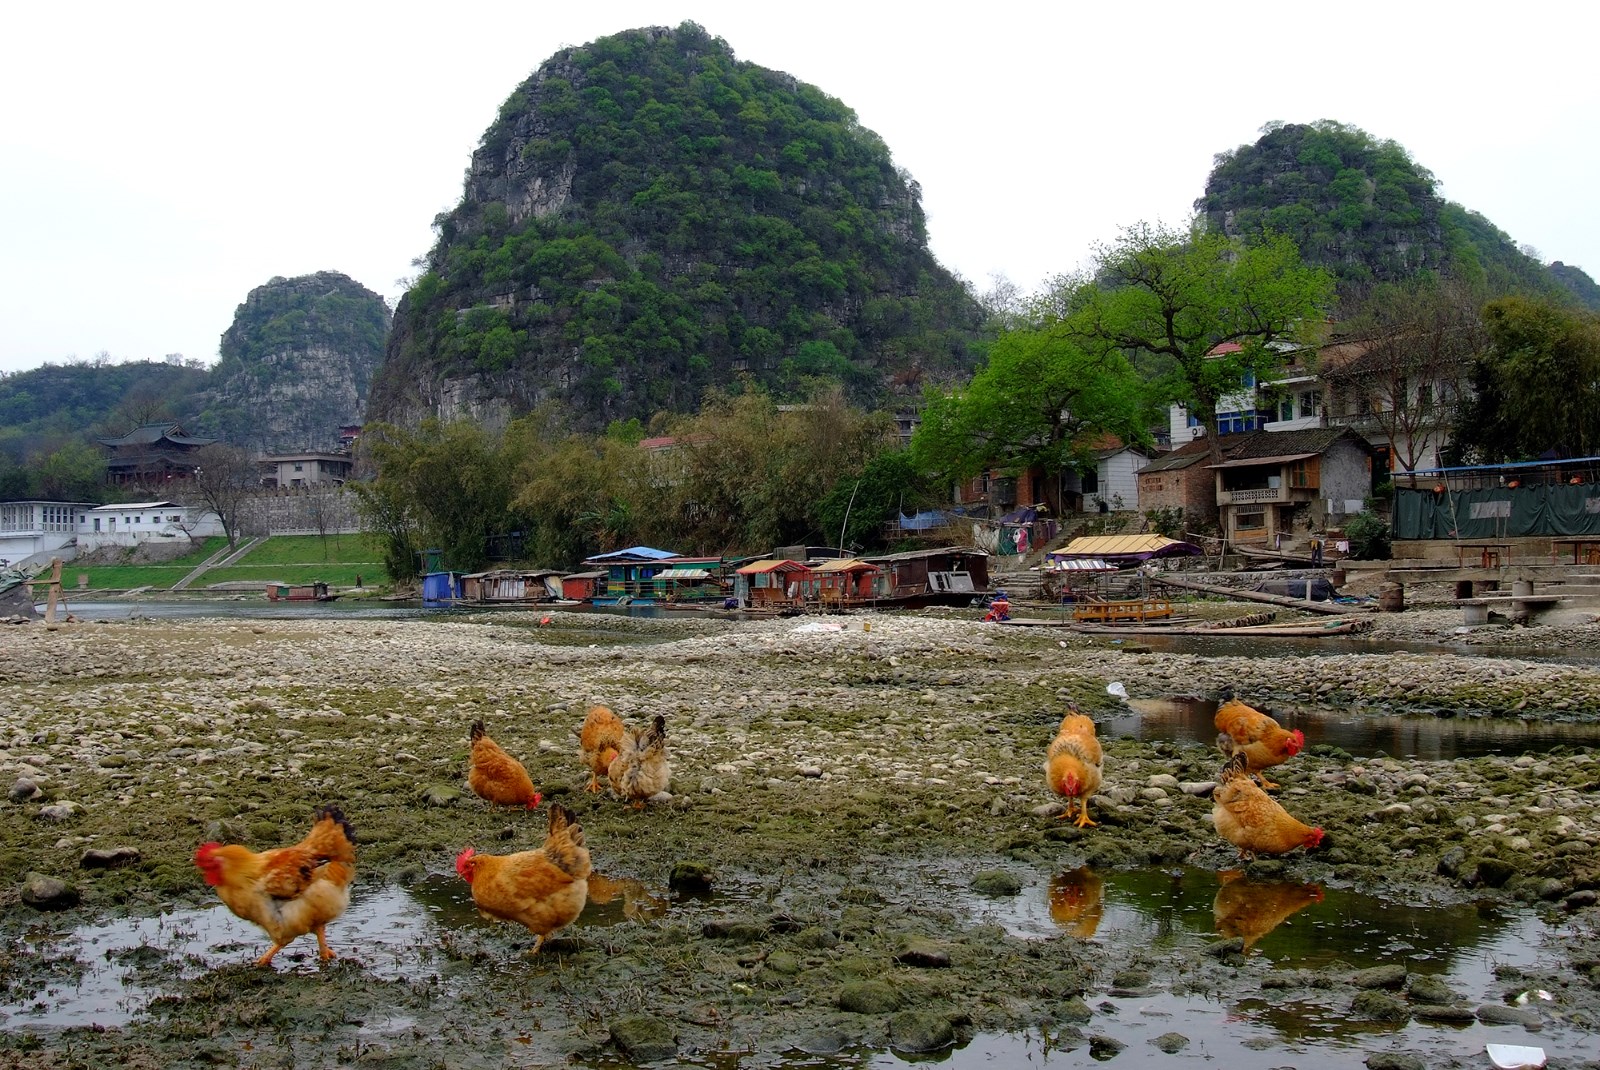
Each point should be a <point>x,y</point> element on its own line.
<point>1297,630</point>
<point>299,592</point>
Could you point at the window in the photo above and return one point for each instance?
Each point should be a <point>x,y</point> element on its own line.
<point>1245,521</point>
<point>1299,474</point>
<point>1425,396</point>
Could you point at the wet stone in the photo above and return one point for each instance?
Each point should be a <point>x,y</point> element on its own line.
<point>113,858</point>
<point>994,882</point>
<point>737,930</point>
<point>1440,1012</point>
<point>1394,1060</point>
<point>1131,980</point>
<point>1075,1010</point>
<point>644,1039</point>
<point>869,997</point>
<point>1104,1047</point>
<point>1378,1007</point>
<point>1426,989</point>
<point>1551,889</point>
<point>1171,1043</point>
<point>920,1031</point>
<point>1224,949</point>
<point>440,794</point>
<point>823,1042</point>
<point>1392,975</point>
<point>48,893</point>
<point>694,877</point>
<point>816,938</point>
<point>925,954</point>
<point>23,790</point>
<point>1493,872</point>
<point>1495,1014</point>
<point>1580,899</point>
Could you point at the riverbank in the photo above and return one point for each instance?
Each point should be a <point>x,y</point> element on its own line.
<point>834,786</point>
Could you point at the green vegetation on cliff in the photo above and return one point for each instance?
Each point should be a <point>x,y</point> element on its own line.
<point>650,216</point>
<point>1364,210</point>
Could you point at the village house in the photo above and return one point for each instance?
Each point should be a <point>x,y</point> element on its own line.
<point>1284,481</point>
<point>304,469</point>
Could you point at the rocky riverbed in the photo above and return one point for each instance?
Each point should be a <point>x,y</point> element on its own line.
<point>848,793</point>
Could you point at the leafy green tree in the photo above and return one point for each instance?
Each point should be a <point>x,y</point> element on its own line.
<point>1537,387</point>
<point>444,486</point>
<point>1180,297</point>
<point>75,471</point>
<point>1043,399</point>
<point>856,512</point>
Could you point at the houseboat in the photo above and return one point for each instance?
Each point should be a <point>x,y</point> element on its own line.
<point>299,592</point>
<point>916,579</point>
<point>511,587</point>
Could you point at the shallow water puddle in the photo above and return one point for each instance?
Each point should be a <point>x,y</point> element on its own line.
<point>1189,719</point>
<point>108,974</point>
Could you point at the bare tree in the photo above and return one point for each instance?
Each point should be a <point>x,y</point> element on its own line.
<point>1403,364</point>
<point>224,477</point>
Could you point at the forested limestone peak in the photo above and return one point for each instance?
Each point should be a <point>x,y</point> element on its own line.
<point>649,216</point>
<point>1362,208</point>
<point>297,363</point>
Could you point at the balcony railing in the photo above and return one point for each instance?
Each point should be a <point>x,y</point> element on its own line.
<point>1266,494</point>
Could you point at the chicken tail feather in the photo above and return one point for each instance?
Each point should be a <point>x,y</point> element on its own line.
<point>564,845</point>
<point>477,732</point>
<point>1234,768</point>
<point>331,835</point>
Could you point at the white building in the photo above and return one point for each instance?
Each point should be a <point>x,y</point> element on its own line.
<point>132,523</point>
<point>38,527</point>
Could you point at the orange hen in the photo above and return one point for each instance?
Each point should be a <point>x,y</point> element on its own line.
<point>289,891</point>
<point>1072,765</point>
<point>598,742</point>
<point>1252,820</point>
<point>543,889</point>
<point>496,776</point>
<point>1262,740</point>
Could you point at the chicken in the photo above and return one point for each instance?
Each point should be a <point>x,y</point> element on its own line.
<point>495,775</point>
<point>1263,741</point>
<point>1077,901</point>
<point>543,889</point>
<point>1072,764</point>
<point>1252,820</point>
<point>1252,909</point>
<point>289,891</point>
<point>640,768</point>
<point>598,742</point>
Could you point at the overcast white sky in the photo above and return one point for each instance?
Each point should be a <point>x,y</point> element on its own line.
<point>160,160</point>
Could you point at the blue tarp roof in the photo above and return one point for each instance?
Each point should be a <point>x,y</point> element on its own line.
<point>634,553</point>
<point>924,521</point>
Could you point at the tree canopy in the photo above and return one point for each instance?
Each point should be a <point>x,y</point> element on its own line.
<point>1216,309</point>
<point>1042,399</point>
<point>1537,387</point>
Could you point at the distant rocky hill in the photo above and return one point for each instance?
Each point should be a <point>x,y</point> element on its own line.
<point>296,364</point>
<point>649,216</point>
<point>1363,209</point>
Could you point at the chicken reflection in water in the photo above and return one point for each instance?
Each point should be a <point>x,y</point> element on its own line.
<point>1252,909</point>
<point>1077,900</point>
<point>637,901</point>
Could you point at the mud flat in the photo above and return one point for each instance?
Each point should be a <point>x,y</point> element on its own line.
<point>858,856</point>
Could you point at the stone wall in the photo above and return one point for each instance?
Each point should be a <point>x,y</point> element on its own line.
<point>314,510</point>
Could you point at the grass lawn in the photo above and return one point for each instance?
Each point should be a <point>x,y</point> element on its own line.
<point>334,559</point>
<point>358,549</point>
